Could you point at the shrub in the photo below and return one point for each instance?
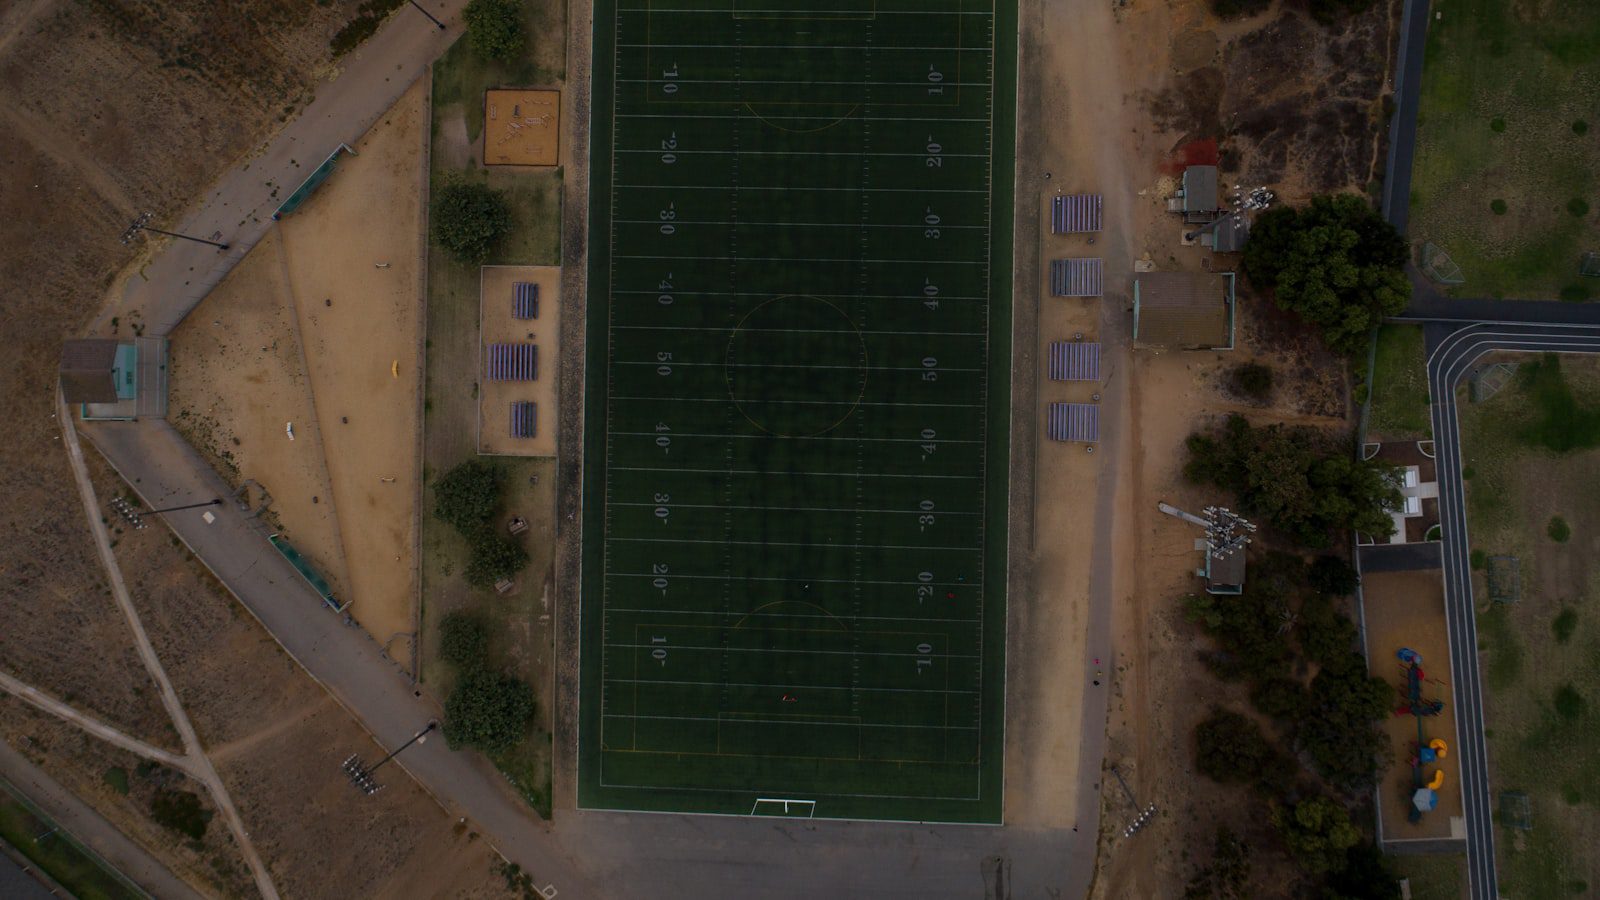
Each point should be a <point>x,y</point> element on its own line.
<point>1227,876</point>
<point>1566,622</point>
<point>1340,732</point>
<point>1497,125</point>
<point>488,711</point>
<point>1317,831</point>
<point>179,811</point>
<point>495,28</point>
<point>1235,9</point>
<point>116,778</point>
<point>1333,576</point>
<point>463,640</point>
<point>1578,207</point>
<point>469,218</point>
<point>1569,703</point>
<point>1558,529</point>
<point>1253,380</point>
<point>466,496</point>
<point>1580,127</point>
<point>1281,698</point>
<point>369,15</point>
<point>1327,635</point>
<point>1478,559</point>
<point>1497,206</point>
<point>1231,748</point>
<point>1575,292</point>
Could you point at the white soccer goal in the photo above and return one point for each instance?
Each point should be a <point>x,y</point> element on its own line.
<point>779,806</point>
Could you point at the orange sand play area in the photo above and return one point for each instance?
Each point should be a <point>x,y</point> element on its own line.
<point>521,128</point>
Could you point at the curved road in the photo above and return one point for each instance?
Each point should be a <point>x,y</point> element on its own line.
<point>1453,350</point>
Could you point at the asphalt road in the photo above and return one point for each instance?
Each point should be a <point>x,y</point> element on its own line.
<point>1453,350</point>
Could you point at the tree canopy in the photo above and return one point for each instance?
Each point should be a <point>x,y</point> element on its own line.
<point>1340,732</point>
<point>1318,831</point>
<point>1296,479</point>
<point>469,218</point>
<point>1336,263</point>
<point>1231,747</point>
<point>494,27</point>
<point>1227,876</point>
<point>464,640</point>
<point>494,556</point>
<point>466,496</point>
<point>488,711</point>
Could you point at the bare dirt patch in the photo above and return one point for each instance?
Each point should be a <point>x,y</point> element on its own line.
<point>354,263</point>
<point>521,128</point>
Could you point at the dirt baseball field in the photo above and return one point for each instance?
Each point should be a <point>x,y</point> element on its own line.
<point>497,325</point>
<point>353,258</point>
<point>239,387</point>
<point>1406,609</point>
<point>521,128</point>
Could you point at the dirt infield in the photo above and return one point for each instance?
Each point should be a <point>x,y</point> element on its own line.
<point>521,128</point>
<point>498,326</point>
<point>354,269</point>
<point>1406,609</point>
<point>238,381</point>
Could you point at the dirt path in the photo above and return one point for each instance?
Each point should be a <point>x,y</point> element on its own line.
<point>200,766</point>
<point>222,753</point>
<point>90,724</point>
<point>65,149</point>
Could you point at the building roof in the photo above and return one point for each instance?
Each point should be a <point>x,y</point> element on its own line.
<point>1227,235</point>
<point>1225,571</point>
<point>87,370</point>
<point>1199,188</point>
<point>1183,310</point>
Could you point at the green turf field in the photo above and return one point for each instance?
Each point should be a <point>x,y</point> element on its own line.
<point>797,408</point>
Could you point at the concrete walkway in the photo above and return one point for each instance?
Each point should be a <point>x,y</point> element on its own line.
<point>90,828</point>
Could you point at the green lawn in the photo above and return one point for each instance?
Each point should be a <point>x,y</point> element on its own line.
<point>1532,457</point>
<point>58,854</point>
<point>1508,114</point>
<point>797,390</point>
<point>1433,877</point>
<point>1400,402</point>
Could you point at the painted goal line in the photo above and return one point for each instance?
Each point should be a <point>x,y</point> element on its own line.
<point>779,806</point>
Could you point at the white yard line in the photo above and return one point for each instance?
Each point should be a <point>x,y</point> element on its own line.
<point>200,765</point>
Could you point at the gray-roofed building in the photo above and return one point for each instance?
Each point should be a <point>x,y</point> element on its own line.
<point>111,379</point>
<point>1183,310</point>
<point>89,370</point>
<point>1227,234</point>
<point>1197,195</point>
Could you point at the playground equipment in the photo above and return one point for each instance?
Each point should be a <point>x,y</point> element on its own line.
<point>1425,789</point>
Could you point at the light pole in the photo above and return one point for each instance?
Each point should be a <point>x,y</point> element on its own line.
<point>360,775</point>
<point>136,518</point>
<point>428,14</point>
<point>142,223</point>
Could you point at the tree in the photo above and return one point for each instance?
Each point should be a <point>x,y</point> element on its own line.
<point>1333,577</point>
<point>1318,831</point>
<point>1231,748</point>
<point>487,710</point>
<point>495,28</point>
<point>469,218</point>
<point>464,640</point>
<point>1365,876</point>
<point>1326,634</point>
<point>466,496</point>
<point>1227,876</point>
<point>494,556</point>
<point>1280,697</point>
<point>1297,479</point>
<point>1336,263</point>
<point>1339,731</point>
<point>1252,380</point>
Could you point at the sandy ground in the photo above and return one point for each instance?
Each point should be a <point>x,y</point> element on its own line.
<point>521,128</point>
<point>361,328</point>
<point>1406,609</point>
<point>497,326</point>
<point>238,379</point>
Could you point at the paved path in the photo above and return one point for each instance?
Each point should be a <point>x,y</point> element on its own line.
<point>200,766</point>
<point>90,828</point>
<point>238,207</point>
<point>1403,125</point>
<point>166,471</point>
<point>1453,351</point>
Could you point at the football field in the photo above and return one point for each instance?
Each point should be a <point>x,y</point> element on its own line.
<point>797,408</point>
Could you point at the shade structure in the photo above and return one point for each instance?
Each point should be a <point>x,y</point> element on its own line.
<point>1074,422</point>
<point>1077,278</point>
<point>1074,361</point>
<point>512,362</point>
<point>524,419</point>
<point>525,300</point>
<point>1424,799</point>
<point>1074,213</point>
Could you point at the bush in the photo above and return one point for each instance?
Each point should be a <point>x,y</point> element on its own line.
<point>1565,623</point>
<point>494,556</point>
<point>369,15</point>
<point>1227,876</point>
<point>1364,876</point>
<point>1281,698</point>
<point>1478,559</point>
<point>467,496</point>
<point>495,28</point>
<point>469,218</point>
<point>1336,263</point>
<point>488,711</point>
<point>1231,748</point>
<point>1333,577</point>
<point>1327,635</point>
<point>463,640</point>
<point>116,778</point>
<point>1497,206</point>
<point>179,811</point>
<point>1235,9</point>
<point>1340,732</point>
<point>1578,207</point>
<point>1569,703</point>
<point>1252,380</point>
<point>1558,529</point>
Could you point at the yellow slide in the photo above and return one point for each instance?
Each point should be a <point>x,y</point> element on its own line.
<point>1439,747</point>
<point>1437,782</point>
